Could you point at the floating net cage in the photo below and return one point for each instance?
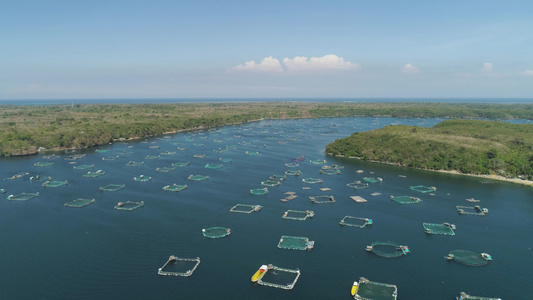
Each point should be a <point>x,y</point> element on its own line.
<point>84,167</point>
<point>22,197</point>
<point>43,164</point>
<point>168,153</point>
<point>216,232</point>
<point>94,174</point>
<point>405,199</point>
<point>358,185</point>
<point>277,177</point>
<point>356,222</point>
<point>152,156</point>
<point>259,191</point>
<point>75,157</point>
<point>388,249</point>
<point>80,202</point>
<point>423,188</point>
<point>299,158</point>
<point>281,278</point>
<point>178,266</point>
<point>312,180</point>
<point>245,208</point>
<point>298,215</point>
<point>293,172</point>
<point>54,183</point>
<point>101,150</point>
<point>330,171</point>
<point>110,158</point>
<point>322,199</point>
<point>174,187</point>
<point>465,296</point>
<point>292,165</point>
<point>372,179</point>
<point>129,205</point>
<point>197,177</point>
<point>472,210</point>
<point>333,167</point>
<point>318,161</point>
<point>225,160</point>
<point>270,183</point>
<point>154,147</point>
<point>295,243</point>
<point>251,153</point>
<point>142,178</point>
<point>214,166</point>
<point>135,163</point>
<point>112,187</point>
<point>183,148</point>
<point>19,175</point>
<point>181,164</point>
<point>370,290</point>
<point>165,169</point>
<point>199,156</point>
<point>445,228</point>
<point>53,156</point>
<point>469,258</point>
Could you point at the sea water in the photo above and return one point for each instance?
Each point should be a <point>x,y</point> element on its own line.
<point>49,251</point>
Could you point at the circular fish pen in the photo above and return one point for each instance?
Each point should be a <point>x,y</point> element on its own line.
<point>318,161</point>
<point>197,177</point>
<point>259,191</point>
<point>165,169</point>
<point>216,232</point>
<point>405,199</point>
<point>330,171</point>
<point>357,185</point>
<point>292,165</point>
<point>23,197</point>
<point>356,222</point>
<point>54,184</point>
<point>469,258</point>
<point>83,167</point>
<point>278,177</point>
<point>423,188</point>
<point>214,166</point>
<point>444,229</point>
<point>135,163</point>
<point>225,160</point>
<point>174,187</point>
<point>181,164</point>
<point>322,199</point>
<point>43,164</point>
<point>293,173</point>
<point>388,249</point>
<point>270,183</point>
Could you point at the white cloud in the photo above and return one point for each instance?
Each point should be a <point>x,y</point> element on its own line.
<point>268,64</point>
<point>410,69</point>
<point>487,67</point>
<point>324,63</point>
<point>527,73</point>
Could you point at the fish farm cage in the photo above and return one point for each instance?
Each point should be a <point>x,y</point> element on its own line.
<point>80,202</point>
<point>295,243</point>
<point>179,266</point>
<point>405,199</point>
<point>298,215</point>
<point>245,208</point>
<point>216,232</point>
<point>356,222</point>
<point>388,249</point>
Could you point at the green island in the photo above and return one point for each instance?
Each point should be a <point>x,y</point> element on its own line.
<point>26,130</point>
<point>466,146</point>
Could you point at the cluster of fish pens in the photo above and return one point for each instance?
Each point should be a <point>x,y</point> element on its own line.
<point>284,278</point>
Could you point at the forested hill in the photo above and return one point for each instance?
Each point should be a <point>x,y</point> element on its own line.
<point>467,146</point>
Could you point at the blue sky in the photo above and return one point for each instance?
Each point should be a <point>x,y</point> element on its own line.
<point>266,49</point>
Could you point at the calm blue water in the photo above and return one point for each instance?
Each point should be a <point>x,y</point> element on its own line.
<point>236,100</point>
<point>50,251</point>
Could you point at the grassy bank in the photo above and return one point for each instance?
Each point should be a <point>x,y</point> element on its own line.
<point>24,129</point>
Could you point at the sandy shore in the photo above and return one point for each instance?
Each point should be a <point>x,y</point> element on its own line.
<point>490,177</point>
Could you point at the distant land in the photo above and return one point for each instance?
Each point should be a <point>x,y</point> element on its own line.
<point>467,146</point>
<point>28,129</point>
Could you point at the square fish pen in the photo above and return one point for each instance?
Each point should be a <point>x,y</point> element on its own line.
<point>405,199</point>
<point>298,215</point>
<point>43,164</point>
<point>135,163</point>
<point>112,187</point>
<point>165,169</point>
<point>465,296</point>
<point>178,266</point>
<point>423,188</point>
<point>213,166</point>
<point>295,243</point>
<point>181,164</point>
<point>54,183</point>
<point>259,191</point>
<point>129,205</point>
<point>245,208</point>
<point>142,178</point>
<point>355,221</point>
<point>80,202</point>
<point>23,197</point>
<point>370,290</point>
<point>468,210</point>
<point>83,167</point>
<point>197,177</point>
<point>280,278</point>
<point>322,199</point>
<point>445,228</point>
<point>174,187</point>
<point>293,173</point>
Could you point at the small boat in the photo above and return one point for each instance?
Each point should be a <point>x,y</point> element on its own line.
<point>354,288</point>
<point>486,256</point>
<point>260,273</point>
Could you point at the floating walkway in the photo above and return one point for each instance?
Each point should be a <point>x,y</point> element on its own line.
<point>112,187</point>
<point>259,191</point>
<point>165,169</point>
<point>277,277</point>
<point>142,178</point>
<point>444,228</point>
<point>388,249</point>
<point>174,187</point>
<point>322,199</point>
<point>245,208</point>
<point>356,222</point>
<point>197,177</point>
<point>80,202</point>
<point>295,243</point>
<point>475,210</point>
<point>405,199</point>
<point>369,290</point>
<point>23,197</point>
<point>465,296</point>
<point>177,266</point>
<point>298,215</point>
<point>423,188</point>
<point>358,199</point>
<point>94,174</point>
<point>129,205</point>
<point>54,184</point>
<point>469,258</point>
<point>216,232</point>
